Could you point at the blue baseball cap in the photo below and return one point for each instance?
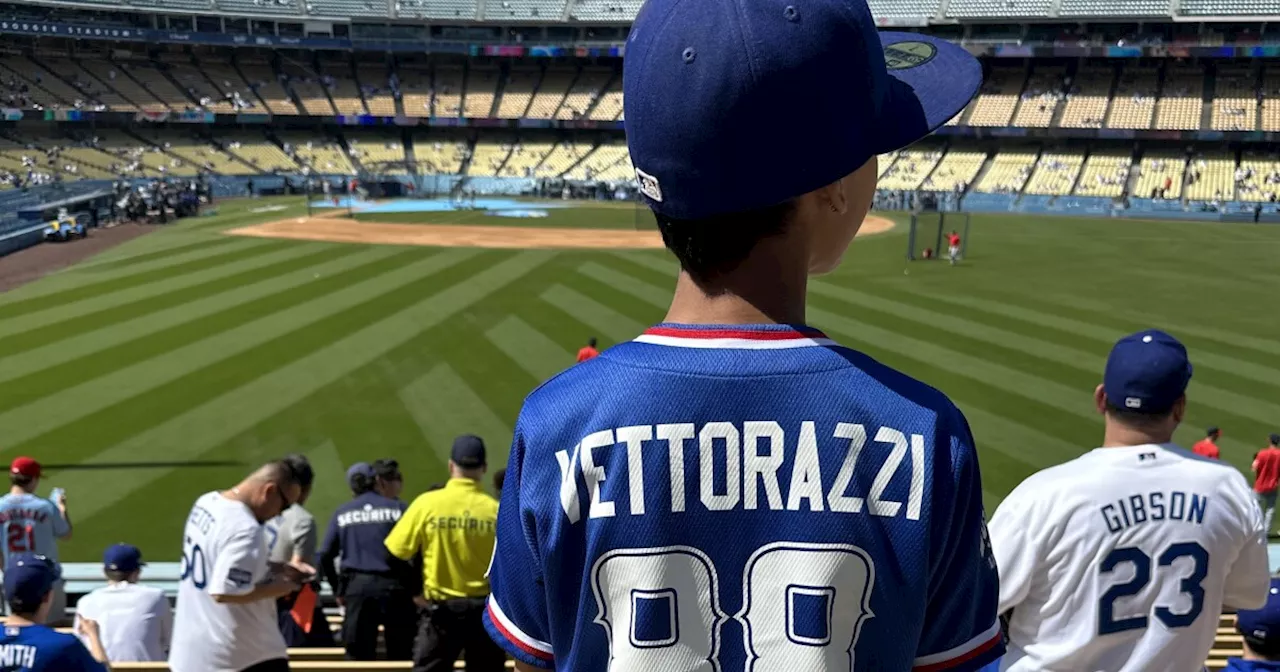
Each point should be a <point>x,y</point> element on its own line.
<point>1262,625</point>
<point>734,105</point>
<point>1147,372</point>
<point>359,469</point>
<point>122,558</point>
<point>28,577</point>
<point>468,451</point>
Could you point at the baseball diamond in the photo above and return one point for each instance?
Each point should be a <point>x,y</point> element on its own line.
<point>163,367</point>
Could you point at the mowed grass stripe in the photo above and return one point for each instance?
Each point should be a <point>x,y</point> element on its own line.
<point>539,356</point>
<point>599,317</point>
<point>178,299</point>
<point>53,314</point>
<point>144,274</point>
<point>1054,448</point>
<point>185,245</point>
<point>533,351</point>
<point>1251,371</point>
<point>83,344</point>
<point>211,423</point>
<point>445,407</point>
<point>1088,364</point>
<point>26,422</point>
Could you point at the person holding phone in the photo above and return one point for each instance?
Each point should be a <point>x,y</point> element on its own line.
<point>291,538</point>
<point>225,619</point>
<point>33,524</point>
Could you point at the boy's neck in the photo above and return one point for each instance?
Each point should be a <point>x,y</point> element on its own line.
<point>755,293</point>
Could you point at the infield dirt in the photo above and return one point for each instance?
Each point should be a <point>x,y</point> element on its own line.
<point>344,230</point>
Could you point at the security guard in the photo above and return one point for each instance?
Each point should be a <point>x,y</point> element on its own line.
<point>453,529</point>
<point>374,587</point>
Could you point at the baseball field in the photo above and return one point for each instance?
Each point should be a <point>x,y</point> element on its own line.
<point>170,365</point>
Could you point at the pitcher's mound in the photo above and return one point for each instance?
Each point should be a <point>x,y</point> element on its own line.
<point>342,230</point>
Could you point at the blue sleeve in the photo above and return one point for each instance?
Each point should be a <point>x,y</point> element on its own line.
<point>74,657</point>
<point>961,631</point>
<point>516,616</point>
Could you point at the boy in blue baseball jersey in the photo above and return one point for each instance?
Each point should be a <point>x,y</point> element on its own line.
<point>733,490</point>
<point>27,644</point>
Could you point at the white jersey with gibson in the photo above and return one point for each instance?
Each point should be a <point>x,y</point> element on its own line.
<point>224,552</point>
<point>1123,558</point>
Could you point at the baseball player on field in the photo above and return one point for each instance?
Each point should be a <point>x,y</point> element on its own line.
<point>1122,559</point>
<point>953,247</point>
<point>225,619</point>
<point>733,490</point>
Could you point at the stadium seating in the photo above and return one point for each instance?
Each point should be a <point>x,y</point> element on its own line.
<point>517,93</point>
<point>93,90</point>
<point>381,153</point>
<point>1229,7</point>
<point>1104,174</point>
<point>910,170</point>
<point>440,154</point>
<point>489,154</point>
<point>602,164</point>
<point>525,157</point>
<point>1216,178</point>
<point>156,80</point>
<point>347,7</point>
<point>482,88</point>
<point>342,88</point>
<point>884,162</point>
<point>1002,9</point>
<point>500,10</point>
<point>1008,173</point>
<point>1155,169</point>
<point>262,80</point>
<point>1180,104</point>
<point>258,152</point>
<point>1087,98</point>
<point>903,9</point>
<point>448,92</point>
<point>999,97</point>
<point>1271,100</point>
<point>229,82</point>
<point>1041,98</point>
<point>551,92</point>
<point>583,93</point>
<point>955,172</point>
<point>1055,174</point>
<point>437,9</point>
<point>562,158</point>
<point>415,91</point>
<point>604,10</point>
<point>609,106</point>
<point>306,87</point>
<point>1118,8</point>
<point>1235,100</point>
<point>321,156</point>
<point>377,90</point>
<point>1134,102</point>
<point>1259,179</point>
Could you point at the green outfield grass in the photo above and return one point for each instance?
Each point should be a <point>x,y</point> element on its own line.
<point>170,365</point>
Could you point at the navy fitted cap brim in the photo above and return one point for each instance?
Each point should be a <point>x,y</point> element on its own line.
<point>931,80</point>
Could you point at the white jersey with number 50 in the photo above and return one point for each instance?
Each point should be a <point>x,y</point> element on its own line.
<point>224,552</point>
<point>1122,559</point>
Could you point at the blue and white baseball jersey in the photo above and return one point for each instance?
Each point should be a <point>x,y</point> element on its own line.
<point>31,524</point>
<point>742,498</point>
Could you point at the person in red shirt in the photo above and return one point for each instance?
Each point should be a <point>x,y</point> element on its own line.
<point>1208,446</point>
<point>1266,469</point>
<point>953,244</point>
<point>588,352</point>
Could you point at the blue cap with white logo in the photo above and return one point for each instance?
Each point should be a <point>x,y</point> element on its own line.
<point>1147,372</point>
<point>28,577</point>
<point>1262,625</point>
<point>734,105</point>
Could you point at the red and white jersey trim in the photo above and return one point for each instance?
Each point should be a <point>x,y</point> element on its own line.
<point>967,651</point>
<point>735,339</point>
<point>534,647</point>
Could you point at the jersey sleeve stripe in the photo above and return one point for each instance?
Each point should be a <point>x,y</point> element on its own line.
<point>965,652</point>
<point>534,647</point>
<point>734,343</point>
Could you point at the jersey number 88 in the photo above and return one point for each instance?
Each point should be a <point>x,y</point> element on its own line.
<point>661,606</point>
